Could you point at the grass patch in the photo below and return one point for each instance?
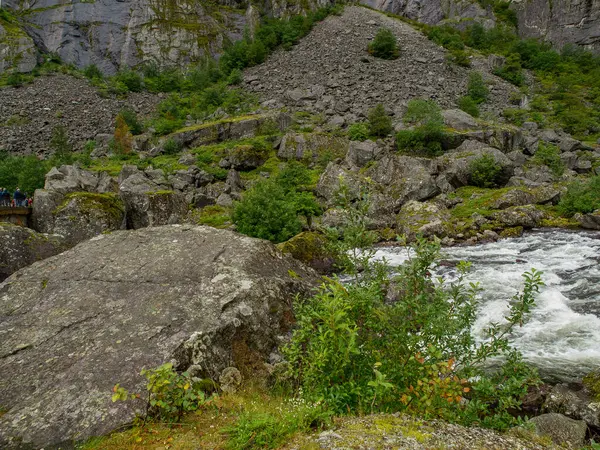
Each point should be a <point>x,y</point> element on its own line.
<point>213,215</point>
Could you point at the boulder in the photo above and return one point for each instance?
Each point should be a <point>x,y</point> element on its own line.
<point>329,183</point>
<point>66,179</point>
<point>310,248</point>
<point>96,315</point>
<point>83,215</point>
<point>148,203</point>
<point>310,147</point>
<point>459,120</point>
<point>589,221</point>
<point>527,216</point>
<point>426,219</point>
<point>22,246</point>
<point>514,197</point>
<point>561,429</point>
<point>362,153</point>
<point>456,166</point>
<point>574,401</point>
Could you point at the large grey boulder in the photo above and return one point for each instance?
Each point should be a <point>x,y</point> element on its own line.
<point>22,246</point>
<point>459,120</point>
<point>149,199</point>
<point>362,153</point>
<point>77,204</point>
<point>456,167</point>
<point>561,429</point>
<point>74,325</point>
<point>589,221</point>
<point>527,216</point>
<point>310,147</point>
<point>576,402</point>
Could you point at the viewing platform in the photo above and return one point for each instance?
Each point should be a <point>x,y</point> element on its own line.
<point>18,216</point>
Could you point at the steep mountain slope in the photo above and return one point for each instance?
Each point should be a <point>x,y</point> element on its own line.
<point>331,72</point>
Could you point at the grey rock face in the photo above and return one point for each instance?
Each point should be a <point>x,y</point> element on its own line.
<point>561,429</point>
<point>77,204</point>
<point>459,120</point>
<point>74,325</point>
<point>150,202</point>
<point>527,216</point>
<point>17,49</point>
<point>589,221</point>
<point>576,403</point>
<point>22,246</point>
<point>560,21</point>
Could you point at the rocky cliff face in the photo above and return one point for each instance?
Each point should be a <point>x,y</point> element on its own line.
<point>560,21</point>
<point>113,34</point>
<point>557,21</point>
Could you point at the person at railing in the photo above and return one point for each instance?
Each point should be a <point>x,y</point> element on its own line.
<point>20,198</point>
<point>4,197</point>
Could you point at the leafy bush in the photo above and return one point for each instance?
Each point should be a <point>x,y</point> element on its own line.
<point>122,142</point>
<point>92,72</point>
<point>384,45</point>
<point>169,394</point>
<point>549,155</point>
<point>581,197</point>
<point>59,142</point>
<point>359,353</point>
<point>358,132</point>
<point>171,147</point>
<point>272,208</point>
<point>132,80</point>
<point>27,173</point>
<point>428,134</point>
<point>485,172</point>
<point>476,88</point>
<point>468,105</point>
<point>131,119</point>
<point>459,57</point>
<point>15,79</point>
<point>380,123</point>
<point>512,71</point>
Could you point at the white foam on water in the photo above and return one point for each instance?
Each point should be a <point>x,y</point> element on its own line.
<point>562,335</point>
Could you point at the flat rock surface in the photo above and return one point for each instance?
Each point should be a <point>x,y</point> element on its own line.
<point>74,325</point>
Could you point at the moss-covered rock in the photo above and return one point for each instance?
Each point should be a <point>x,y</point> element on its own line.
<point>310,248</point>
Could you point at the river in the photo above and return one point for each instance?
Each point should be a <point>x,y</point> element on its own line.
<point>562,336</point>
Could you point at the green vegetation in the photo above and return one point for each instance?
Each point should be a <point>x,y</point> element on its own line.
<point>549,155</point>
<point>568,81</point>
<point>358,132</point>
<point>581,197</point>
<point>427,134</point>
<point>477,93</point>
<point>384,45</point>
<point>485,172</point>
<point>468,105</point>
<point>380,123</point>
<point>272,208</point>
<point>358,354</point>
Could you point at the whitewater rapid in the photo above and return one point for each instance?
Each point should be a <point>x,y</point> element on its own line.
<point>562,336</point>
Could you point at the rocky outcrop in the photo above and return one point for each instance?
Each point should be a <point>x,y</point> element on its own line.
<point>589,221</point>
<point>575,401</point>
<point>562,430</point>
<point>76,324</point>
<point>560,21</point>
<point>77,205</point>
<point>311,147</point>
<point>22,247</point>
<point>17,50</point>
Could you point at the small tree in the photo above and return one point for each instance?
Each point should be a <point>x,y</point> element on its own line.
<point>123,140</point>
<point>380,124</point>
<point>59,142</point>
<point>477,89</point>
<point>385,45</point>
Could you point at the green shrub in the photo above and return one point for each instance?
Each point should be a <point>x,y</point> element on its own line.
<point>468,105</point>
<point>485,172</point>
<point>272,208</point>
<point>446,36</point>
<point>169,394</point>
<point>131,119</point>
<point>358,353</point>
<point>92,72</point>
<point>420,112</point>
<point>384,45</point>
<point>358,132</point>
<point>549,155</point>
<point>512,71</point>
<point>130,79</point>
<point>581,197</point>
<point>459,57</point>
<point>15,79</point>
<point>59,142</point>
<point>380,123</point>
<point>476,88</point>
<point>171,147</point>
